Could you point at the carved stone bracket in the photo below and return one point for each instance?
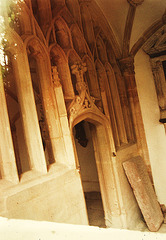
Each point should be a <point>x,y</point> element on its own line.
<point>157,42</point>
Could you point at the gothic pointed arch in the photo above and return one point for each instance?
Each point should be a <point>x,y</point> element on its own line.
<point>106,99</point>
<point>74,8</point>
<point>63,35</point>
<point>60,60</point>
<point>24,16</point>
<point>39,32</point>
<point>84,109</point>
<point>41,77</point>
<point>27,109</point>
<point>87,26</point>
<point>78,40</point>
<point>91,77</point>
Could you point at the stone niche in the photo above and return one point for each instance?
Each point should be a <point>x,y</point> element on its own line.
<point>155,47</point>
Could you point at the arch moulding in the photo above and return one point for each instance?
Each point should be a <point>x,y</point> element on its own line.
<point>84,108</point>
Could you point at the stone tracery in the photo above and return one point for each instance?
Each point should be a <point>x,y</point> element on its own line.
<point>104,90</point>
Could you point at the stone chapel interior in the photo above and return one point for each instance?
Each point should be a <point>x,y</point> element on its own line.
<point>83,112</point>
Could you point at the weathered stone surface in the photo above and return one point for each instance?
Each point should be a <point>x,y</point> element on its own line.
<point>138,177</point>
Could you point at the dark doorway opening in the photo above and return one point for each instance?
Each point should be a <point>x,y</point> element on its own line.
<point>89,174</point>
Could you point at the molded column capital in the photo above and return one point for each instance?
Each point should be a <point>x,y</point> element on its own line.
<point>127,65</point>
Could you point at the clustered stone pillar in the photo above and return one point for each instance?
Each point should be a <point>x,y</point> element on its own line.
<point>28,113</point>
<point>127,67</point>
<point>7,156</point>
<point>63,118</point>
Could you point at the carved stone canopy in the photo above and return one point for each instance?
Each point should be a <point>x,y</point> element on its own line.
<point>135,2</point>
<point>156,43</point>
<point>155,47</point>
<point>81,104</point>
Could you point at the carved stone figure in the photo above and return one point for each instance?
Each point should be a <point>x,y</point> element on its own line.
<point>55,77</point>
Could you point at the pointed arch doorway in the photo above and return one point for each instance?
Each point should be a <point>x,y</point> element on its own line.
<point>84,109</point>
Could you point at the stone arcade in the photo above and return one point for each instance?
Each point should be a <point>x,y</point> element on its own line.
<point>83,111</point>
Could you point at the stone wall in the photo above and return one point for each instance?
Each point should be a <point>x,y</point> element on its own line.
<point>55,197</point>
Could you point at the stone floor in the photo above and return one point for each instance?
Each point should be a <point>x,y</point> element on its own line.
<point>96,213</point>
<point>95,209</point>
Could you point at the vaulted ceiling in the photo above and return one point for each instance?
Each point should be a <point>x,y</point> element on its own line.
<point>146,14</point>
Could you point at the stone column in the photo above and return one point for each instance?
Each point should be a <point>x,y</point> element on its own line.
<point>127,67</point>
<point>78,70</point>
<point>28,112</point>
<point>124,103</point>
<point>7,157</point>
<point>63,118</point>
